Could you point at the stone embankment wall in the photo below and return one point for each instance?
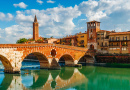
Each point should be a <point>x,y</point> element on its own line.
<point>112,59</point>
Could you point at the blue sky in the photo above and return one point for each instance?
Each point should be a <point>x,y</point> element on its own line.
<point>59,18</point>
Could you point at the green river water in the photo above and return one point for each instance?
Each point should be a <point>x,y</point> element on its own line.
<point>68,78</point>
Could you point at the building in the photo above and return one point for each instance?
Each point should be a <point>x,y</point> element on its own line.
<point>82,39</point>
<point>69,40</point>
<point>57,42</point>
<point>119,42</point>
<point>103,41</point>
<point>52,40</point>
<point>35,29</point>
<point>92,28</point>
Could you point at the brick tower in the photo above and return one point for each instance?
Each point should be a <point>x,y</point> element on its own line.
<point>35,29</point>
<point>92,28</point>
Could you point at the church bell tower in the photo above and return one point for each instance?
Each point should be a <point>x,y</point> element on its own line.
<point>35,29</point>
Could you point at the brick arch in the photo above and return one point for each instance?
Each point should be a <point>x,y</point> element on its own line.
<point>43,60</point>
<point>6,63</point>
<point>66,54</point>
<point>85,59</point>
<point>69,60</point>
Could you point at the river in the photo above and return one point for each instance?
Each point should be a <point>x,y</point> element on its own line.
<point>68,78</point>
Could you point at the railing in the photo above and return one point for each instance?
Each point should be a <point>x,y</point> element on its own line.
<point>118,40</point>
<point>124,44</point>
<point>103,45</point>
<point>119,45</point>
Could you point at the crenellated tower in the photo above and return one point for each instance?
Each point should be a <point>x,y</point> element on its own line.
<point>92,28</point>
<point>35,29</point>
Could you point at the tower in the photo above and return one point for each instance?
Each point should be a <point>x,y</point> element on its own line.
<point>35,29</point>
<point>92,28</point>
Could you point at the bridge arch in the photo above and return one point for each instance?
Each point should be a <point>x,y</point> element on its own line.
<point>6,63</point>
<point>43,60</point>
<point>67,59</point>
<point>86,59</point>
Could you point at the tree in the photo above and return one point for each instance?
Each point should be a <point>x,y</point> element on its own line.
<point>51,37</point>
<point>22,40</point>
<point>39,40</point>
<point>45,38</point>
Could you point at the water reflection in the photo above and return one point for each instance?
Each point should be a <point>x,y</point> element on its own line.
<point>69,78</point>
<point>1,78</point>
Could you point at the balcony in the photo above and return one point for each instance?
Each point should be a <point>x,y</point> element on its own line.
<point>124,44</point>
<point>103,45</point>
<point>114,46</point>
<point>117,40</point>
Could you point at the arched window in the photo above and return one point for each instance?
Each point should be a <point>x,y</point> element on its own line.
<point>91,46</point>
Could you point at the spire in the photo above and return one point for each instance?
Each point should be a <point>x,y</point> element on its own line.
<point>35,19</point>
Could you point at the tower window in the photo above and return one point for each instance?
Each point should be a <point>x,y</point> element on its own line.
<point>94,24</point>
<point>91,37</point>
<point>88,24</point>
<point>98,24</point>
<point>91,30</point>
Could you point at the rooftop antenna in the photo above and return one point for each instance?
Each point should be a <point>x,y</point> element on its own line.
<point>114,27</point>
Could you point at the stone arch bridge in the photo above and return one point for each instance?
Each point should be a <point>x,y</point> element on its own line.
<point>12,55</point>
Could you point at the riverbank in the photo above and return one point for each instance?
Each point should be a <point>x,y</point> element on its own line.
<point>115,65</point>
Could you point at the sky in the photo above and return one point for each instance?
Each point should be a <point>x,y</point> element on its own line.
<point>59,18</point>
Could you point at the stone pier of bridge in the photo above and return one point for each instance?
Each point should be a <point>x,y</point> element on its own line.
<point>12,55</point>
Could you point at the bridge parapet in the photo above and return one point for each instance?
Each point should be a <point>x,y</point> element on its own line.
<point>41,45</point>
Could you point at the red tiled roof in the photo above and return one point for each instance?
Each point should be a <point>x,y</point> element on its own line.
<point>103,30</point>
<point>119,33</point>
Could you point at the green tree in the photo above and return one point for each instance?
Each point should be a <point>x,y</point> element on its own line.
<point>45,38</point>
<point>51,37</point>
<point>30,40</point>
<point>39,40</point>
<point>22,40</point>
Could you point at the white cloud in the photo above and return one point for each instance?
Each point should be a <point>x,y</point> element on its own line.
<point>50,1</point>
<point>118,29</point>
<point>15,32</point>
<point>2,16</point>
<point>79,28</point>
<point>96,10</point>
<point>40,1</point>
<point>9,16</point>
<point>6,17</point>
<point>21,5</point>
<point>109,12</point>
<point>56,21</point>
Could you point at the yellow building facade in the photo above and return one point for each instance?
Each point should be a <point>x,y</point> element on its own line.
<point>103,41</point>
<point>82,39</point>
<point>119,42</point>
